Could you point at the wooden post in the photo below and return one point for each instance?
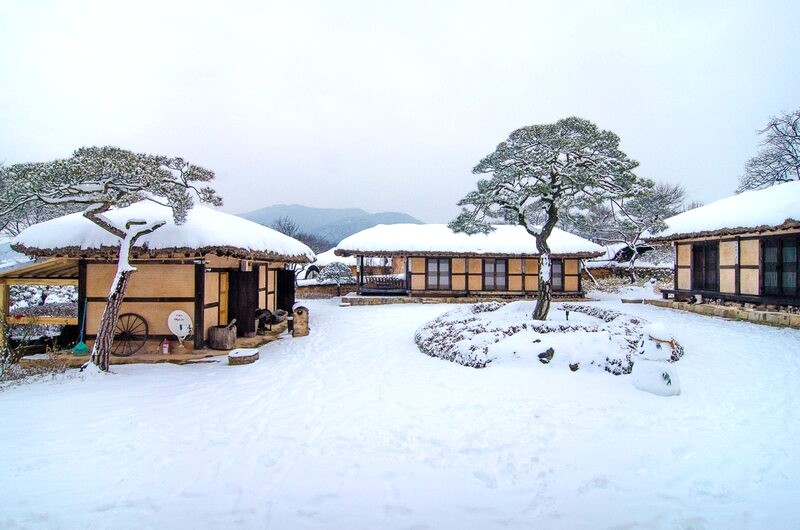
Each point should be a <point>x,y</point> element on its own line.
<point>360,273</point>
<point>199,304</point>
<point>4,308</point>
<point>82,295</point>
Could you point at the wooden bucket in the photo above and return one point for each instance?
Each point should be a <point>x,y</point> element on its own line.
<point>222,337</point>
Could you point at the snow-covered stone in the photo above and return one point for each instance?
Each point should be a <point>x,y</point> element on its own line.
<point>243,356</point>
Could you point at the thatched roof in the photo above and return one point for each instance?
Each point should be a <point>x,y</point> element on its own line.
<point>768,210</point>
<point>206,231</point>
<point>439,240</point>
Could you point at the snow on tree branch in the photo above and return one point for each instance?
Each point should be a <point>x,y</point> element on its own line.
<point>778,160</point>
<point>541,170</point>
<point>98,179</point>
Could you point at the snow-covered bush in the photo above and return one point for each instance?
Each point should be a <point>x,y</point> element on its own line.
<point>36,295</point>
<point>480,334</point>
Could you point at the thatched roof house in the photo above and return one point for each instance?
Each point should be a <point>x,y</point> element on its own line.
<point>440,262</point>
<point>215,266</point>
<point>743,248</point>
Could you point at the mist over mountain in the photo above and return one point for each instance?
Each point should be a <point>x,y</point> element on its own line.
<point>333,224</point>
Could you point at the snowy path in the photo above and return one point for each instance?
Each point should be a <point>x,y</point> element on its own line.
<point>352,427</point>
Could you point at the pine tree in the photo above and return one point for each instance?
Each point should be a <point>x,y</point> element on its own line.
<point>625,219</point>
<point>337,272</point>
<point>99,178</point>
<point>546,169</point>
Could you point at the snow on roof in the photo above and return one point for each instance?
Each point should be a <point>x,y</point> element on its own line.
<point>205,230</point>
<point>760,209</point>
<point>439,239</point>
<point>328,257</point>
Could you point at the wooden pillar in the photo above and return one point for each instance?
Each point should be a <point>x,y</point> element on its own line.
<point>81,295</point>
<point>675,267</point>
<point>4,308</point>
<point>737,270</point>
<point>360,273</point>
<point>199,303</point>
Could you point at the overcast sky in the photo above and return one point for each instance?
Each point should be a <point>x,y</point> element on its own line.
<point>389,106</point>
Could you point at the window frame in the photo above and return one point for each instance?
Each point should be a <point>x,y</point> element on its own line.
<point>438,286</point>
<point>560,276</point>
<point>494,275</point>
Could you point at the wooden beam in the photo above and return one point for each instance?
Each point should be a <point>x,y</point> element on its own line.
<point>20,319</point>
<point>42,281</point>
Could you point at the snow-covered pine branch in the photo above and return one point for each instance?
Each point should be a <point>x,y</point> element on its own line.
<point>540,170</point>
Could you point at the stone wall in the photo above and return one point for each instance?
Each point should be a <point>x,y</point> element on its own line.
<point>322,291</point>
<point>621,272</point>
<point>772,318</point>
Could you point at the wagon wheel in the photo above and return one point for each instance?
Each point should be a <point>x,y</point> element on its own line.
<point>129,335</point>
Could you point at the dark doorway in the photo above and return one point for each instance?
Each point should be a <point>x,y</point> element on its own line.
<point>705,266</point>
<point>284,298</point>
<point>243,301</point>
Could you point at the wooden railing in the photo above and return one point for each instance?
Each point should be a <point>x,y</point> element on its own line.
<point>388,282</point>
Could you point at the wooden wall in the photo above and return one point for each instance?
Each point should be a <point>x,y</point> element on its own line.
<point>467,276</point>
<point>156,289</point>
<point>739,263</point>
<point>683,259</point>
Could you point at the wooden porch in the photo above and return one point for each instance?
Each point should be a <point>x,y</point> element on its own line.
<point>151,353</point>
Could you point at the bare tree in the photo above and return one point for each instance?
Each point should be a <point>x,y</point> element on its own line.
<point>315,242</point>
<point>778,160</point>
<point>624,220</point>
<point>285,225</point>
<point>547,168</point>
<point>99,178</point>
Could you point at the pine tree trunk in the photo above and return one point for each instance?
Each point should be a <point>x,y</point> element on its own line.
<point>543,300</point>
<point>101,352</point>
<point>134,229</point>
<point>545,294</point>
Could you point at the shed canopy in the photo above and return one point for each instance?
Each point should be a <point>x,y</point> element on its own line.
<point>752,211</point>
<point>206,231</point>
<point>439,240</point>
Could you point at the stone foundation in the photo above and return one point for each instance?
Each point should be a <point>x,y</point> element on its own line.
<point>770,318</point>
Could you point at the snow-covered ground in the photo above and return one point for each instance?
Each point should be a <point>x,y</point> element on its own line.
<point>353,427</point>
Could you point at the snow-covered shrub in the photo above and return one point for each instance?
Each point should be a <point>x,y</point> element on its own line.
<point>335,273</point>
<point>35,295</point>
<point>489,332</point>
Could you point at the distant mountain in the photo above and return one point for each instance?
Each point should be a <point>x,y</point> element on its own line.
<point>333,224</point>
